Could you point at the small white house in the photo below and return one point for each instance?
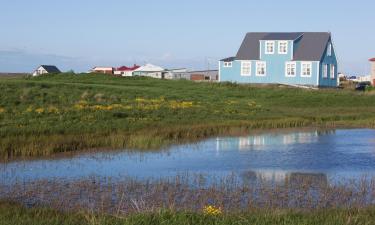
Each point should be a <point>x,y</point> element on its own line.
<point>45,69</point>
<point>150,70</point>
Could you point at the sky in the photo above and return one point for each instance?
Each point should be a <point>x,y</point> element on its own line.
<point>81,34</point>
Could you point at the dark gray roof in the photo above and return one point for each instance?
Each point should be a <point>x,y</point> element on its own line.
<point>310,47</point>
<point>249,49</point>
<point>51,69</point>
<point>229,59</point>
<point>282,36</point>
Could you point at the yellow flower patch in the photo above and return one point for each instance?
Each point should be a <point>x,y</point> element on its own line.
<point>212,210</point>
<point>2,110</point>
<point>39,110</point>
<point>180,105</point>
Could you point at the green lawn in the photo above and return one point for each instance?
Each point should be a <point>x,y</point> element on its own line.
<point>12,214</point>
<point>57,113</point>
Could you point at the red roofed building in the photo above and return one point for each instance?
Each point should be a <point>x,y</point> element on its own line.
<point>126,71</point>
<point>373,71</point>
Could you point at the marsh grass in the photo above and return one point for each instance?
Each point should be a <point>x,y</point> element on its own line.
<point>190,194</point>
<point>67,112</point>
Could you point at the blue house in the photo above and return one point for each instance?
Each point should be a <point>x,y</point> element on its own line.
<point>305,58</point>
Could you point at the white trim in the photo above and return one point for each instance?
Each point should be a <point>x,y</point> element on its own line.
<point>318,74</point>
<point>306,63</point>
<point>287,47</point>
<point>325,71</point>
<point>286,69</point>
<point>266,47</point>
<point>256,68</point>
<point>242,65</point>
<point>329,49</point>
<point>332,70</point>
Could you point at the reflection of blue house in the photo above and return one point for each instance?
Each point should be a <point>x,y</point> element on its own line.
<point>283,58</point>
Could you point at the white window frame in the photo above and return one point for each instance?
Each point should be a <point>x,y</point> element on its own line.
<point>303,64</point>
<point>228,64</point>
<point>286,47</point>
<point>266,47</point>
<point>325,71</point>
<point>258,64</point>
<point>248,63</point>
<point>294,64</point>
<point>332,71</point>
<point>329,49</point>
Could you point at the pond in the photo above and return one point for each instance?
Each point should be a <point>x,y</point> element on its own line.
<point>329,154</point>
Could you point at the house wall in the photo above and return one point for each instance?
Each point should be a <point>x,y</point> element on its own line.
<point>275,74</point>
<point>39,71</point>
<point>373,73</point>
<point>328,60</point>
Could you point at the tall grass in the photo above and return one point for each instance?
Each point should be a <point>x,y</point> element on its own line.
<point>11,213</point>
<point>66,112</point>
<point>191,194</point>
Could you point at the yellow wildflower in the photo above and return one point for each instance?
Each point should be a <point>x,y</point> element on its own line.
<point>2,110</point>
<point>29,109</point>
<point>39,110</point>
<point>181,105</point>
<point>212,210</point>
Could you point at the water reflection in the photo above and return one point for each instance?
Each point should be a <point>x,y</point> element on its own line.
<point>260,142</point>
<point>276,157</point>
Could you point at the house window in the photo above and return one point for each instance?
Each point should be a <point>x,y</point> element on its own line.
<point>290,69</point>
<point>227,64</point>
<point>332,71</point>
<point>270,47</point>
<point>245,68</point>
<point>329,49</point>
<point>325,71</point>
<point>261,68</point>
<point>306,70</point>
<point>283,47</point>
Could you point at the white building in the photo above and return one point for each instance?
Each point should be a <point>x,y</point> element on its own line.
<point>150,70</point>
<point>45,69</point>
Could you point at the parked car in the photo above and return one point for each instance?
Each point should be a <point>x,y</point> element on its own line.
<point>361,86</point>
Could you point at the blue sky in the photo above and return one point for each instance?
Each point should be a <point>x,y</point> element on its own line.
<point>80,34</point>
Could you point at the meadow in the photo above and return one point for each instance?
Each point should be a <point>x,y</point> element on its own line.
<point>72,112</point>
<point>15,214</point>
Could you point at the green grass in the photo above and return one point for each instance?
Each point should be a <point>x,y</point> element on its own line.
<point>13,214</point>
<point>58,113</point>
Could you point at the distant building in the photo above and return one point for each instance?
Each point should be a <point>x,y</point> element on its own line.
<point>105,70</point>
<point>372,71</point>
<point>125,71</point>
<point>150,70</point>
<point>175,74</point>
<point>302,58</point>
<point>45,69</point>
<point>203,75</point>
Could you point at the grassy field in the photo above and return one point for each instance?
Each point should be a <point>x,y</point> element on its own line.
<point>16,215</point>
<point>67,112</point>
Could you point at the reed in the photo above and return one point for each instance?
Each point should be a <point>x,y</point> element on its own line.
<point>187,200</point>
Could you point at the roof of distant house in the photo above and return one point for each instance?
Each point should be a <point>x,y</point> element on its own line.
<point>150,68</point>
<point>125,68</point>
<point>51,69</point>
<point>372,60</point>
<point>311,45</point>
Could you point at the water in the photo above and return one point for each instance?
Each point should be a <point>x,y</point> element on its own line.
<point>332,154</point>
